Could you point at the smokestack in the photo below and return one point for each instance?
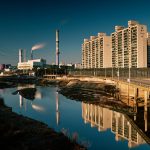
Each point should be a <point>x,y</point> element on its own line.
<point>20,55</point>
<point>57,47</point>
<point>31,55</point>
<point>24,55</point>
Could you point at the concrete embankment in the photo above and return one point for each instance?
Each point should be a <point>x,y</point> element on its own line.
<point>83,90</point>
<point>22,133</point>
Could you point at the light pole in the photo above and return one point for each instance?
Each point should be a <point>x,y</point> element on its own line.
<point>45,70</point>
<point>129,78</point>
<point>105,72</point>
<point>112,72</point>
<point>118,73</point>
<point>129,74</point>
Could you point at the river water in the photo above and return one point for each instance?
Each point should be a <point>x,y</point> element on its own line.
<point>92,125</point>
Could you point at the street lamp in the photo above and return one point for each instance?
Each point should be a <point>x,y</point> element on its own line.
<point>129,68</point>
<point>112,72</point>
<point>105,72</point>
<point>129,78</point>
<point>118,73</point>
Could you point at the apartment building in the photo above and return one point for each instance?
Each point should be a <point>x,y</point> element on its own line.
<point>148,49</point>
<point>129,46</point>
<point>96,52</point>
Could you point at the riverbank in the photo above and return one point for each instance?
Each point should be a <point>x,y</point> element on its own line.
<point>104,93</point>
<point>19,132</point>
<point>88,89</point>
<point>100,93</point>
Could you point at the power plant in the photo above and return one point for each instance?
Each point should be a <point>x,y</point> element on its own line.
<point>31,63</point>
<point>57,47</point>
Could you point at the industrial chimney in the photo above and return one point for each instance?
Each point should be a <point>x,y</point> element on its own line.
<point>31,55</point>
<point>57,47</point>
<point>20,55</point>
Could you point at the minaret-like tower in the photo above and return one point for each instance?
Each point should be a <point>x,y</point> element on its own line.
<point>57,47</point>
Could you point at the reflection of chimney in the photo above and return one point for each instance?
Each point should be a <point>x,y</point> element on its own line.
<point>21,101</point>
<point>21,55</point>
<point>57,47</point>
<point>57,108</point>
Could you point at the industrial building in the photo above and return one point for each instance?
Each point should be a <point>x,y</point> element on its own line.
<point>96,52</point>
<point>129,46</point>
<point>5,66</point>
<point>30,64</point>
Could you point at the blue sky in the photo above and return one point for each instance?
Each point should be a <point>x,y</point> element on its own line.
<point>24,23</point>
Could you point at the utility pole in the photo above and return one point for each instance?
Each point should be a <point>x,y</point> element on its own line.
<point>105,72</point>
<point>118,73</point>
<point>112,72</point>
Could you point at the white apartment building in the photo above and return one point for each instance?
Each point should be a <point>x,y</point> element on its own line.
<point>129,46</point>
<point>148,49</point>
<point>96,52</point>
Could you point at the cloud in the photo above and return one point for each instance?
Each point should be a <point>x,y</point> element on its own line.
<point>38,46</point>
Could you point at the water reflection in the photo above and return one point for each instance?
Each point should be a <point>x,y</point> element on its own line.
<point>29,93</point>
<point>120,124</point>
<point>57,109</point>
<point>82,121</point>
<point>37,107</point>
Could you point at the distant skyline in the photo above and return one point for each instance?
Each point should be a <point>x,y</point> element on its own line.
<point>24,24</point>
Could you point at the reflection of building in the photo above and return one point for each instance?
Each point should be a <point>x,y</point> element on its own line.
<point>123,129</point>
<point>19,87</point>
<point>95,115</point>
<point>104,119</point>
<point>38,95</point>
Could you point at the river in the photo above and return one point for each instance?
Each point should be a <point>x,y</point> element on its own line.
<point>92,125</point>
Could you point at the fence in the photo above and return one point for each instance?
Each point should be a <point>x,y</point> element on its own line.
<point>113,72</point>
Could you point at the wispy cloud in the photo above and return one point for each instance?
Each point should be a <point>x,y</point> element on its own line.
<point>38,46</point>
